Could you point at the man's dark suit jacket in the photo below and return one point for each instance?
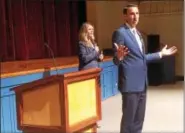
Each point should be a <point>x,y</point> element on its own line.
<point>132,70</point>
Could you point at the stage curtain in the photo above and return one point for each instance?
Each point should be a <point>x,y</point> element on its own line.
<point>27,25</point>
<point>3,32</point>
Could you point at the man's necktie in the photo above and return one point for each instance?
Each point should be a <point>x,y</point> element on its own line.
<point>138,39</point>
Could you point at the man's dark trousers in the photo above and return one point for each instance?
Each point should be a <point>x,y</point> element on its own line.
<point>133,108</point>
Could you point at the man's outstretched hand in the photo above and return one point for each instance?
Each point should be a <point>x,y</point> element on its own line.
<point>122,51</point>
<point>168,51</point>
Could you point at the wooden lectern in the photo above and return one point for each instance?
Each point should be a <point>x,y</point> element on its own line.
<point>68,103</point>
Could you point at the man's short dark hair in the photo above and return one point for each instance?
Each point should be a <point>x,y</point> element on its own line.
<point>128,6</point>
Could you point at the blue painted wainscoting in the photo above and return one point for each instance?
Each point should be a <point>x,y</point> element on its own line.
<point>8,106</point>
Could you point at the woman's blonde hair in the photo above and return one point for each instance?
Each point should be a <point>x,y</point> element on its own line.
<point>83,34</point>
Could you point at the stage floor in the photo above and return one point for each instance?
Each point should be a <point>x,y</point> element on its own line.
<point>164,111</point>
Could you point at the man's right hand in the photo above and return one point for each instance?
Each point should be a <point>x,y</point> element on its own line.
<point>122,51</point>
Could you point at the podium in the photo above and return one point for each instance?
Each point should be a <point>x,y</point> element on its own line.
<point>66,103</point>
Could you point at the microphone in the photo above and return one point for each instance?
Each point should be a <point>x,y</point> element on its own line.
<point>53,57</point>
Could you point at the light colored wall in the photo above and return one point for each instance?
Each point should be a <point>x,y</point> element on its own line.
<point>170,29</point>
<point>107,16</point>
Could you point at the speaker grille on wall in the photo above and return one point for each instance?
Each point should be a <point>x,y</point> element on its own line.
<point>163,71</point>
<point>153,42</point>
<point>155,69</point>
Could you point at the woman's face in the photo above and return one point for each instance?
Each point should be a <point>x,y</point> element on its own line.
<point>90,31</point>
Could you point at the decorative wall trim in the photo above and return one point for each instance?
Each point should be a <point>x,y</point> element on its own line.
<point>161,7</point>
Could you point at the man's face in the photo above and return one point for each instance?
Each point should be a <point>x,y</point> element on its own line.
<point>132,16</point>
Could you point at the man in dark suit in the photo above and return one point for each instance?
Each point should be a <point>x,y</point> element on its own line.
<point>132,69</point>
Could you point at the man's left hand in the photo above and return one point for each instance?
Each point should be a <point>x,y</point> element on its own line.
<point>170,51</point>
